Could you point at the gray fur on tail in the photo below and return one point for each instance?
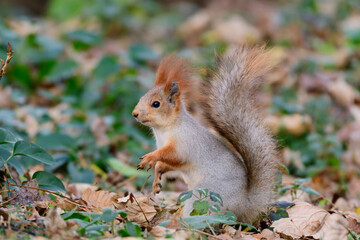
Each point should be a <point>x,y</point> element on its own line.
<point>229,106</point>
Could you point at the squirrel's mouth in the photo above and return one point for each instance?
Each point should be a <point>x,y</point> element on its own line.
<point>143,121</point>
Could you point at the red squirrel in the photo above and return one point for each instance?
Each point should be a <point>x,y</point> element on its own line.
<point>242,169</point>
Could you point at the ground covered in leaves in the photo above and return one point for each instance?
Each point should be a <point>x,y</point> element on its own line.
<point>69,145</point>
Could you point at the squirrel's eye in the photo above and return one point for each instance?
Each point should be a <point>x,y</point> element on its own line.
<point>155,104</point>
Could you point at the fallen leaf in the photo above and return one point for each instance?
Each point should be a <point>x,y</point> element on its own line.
<point>304,220</point>
<point>296,124</point>
<point>236,30</point>
<point>310,221</point>
<point>99,128</point>
<point>63,204</point>
<point>160,232</point>
<point>53,222</point>
<point>5,100</point>
<point>138,208</point>
<point>75,190</point>
<point>32,125</point>
<point>334,228</point>
<point>195,24</point>
<point>341,91</point>
<point>97,199</point>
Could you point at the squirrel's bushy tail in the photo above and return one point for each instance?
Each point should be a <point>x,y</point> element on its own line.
<point>229,106</point>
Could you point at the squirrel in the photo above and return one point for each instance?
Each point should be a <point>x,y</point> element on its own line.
<point>242,169</point>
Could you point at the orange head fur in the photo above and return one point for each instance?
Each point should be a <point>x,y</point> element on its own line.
<point>160,106</point>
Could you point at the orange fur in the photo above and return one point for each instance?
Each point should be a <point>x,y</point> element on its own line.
<point>166,154</point>
<point>160,169</point>
<point>173,69</point>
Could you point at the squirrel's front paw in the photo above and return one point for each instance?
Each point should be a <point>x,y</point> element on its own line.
<point>147,159</point>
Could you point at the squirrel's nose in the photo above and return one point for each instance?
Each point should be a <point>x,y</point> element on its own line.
<point>135,114</point>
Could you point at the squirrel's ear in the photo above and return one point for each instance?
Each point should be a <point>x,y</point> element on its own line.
<point>173,92</point>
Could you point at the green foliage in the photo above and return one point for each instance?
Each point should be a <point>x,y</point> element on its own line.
<point>49,181</point>
<point>130,230</point>
<point>280,211</point>
<point>297,185</point>
<point>201,206</point>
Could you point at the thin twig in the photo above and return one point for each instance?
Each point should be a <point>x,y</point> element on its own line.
<point>211,228</point>
<point>156,203</point>
<point>5,63</point>
<point>133,197</point>
<point>10,199</point>
<point>48,191</point>
<point>201,232</point>
<point>142,188</point>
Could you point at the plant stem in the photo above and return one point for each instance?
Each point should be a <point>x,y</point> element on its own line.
<point>6,167</point>
<point>8,159</point>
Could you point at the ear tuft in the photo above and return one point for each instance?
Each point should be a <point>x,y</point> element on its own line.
<point>173,92</point>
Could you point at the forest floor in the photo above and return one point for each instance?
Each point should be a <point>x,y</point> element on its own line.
<point>69,145</point>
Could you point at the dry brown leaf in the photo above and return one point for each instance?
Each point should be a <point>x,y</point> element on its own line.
<point>195,24</point>
<point>32,125</point>
<point>53,221</point>
<point>235,30</point>
<point>269,235</point>
<point>174,224</point>
<point>296,124</point>
<point>99,128</point>
<point>225,236</point>
<point>33,169</point>
<point>353,225</point>
<point>75,190</point>
<point>160,232</point>
<point>5,100</point>
<point>355,112</point>
<point>308,220</point>
<point>343,92</point>
<point>138,208</point>
<point>335,228</point>
<point>97,199</point>
<point>63,204</point>
<point>229,230</point>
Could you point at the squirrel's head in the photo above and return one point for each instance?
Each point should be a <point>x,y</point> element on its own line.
<point>160,106</point>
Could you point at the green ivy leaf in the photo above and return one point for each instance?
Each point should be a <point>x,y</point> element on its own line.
<point>4,155</point>
<point>131,229</point>
<point>202,191</point>
<point>309,190</point>
<point>49,181</point>
<point>106,66</point>
<point>215,208</point>
<point>283,204</point>
<point>109,215</point>
<point>302,180</point>
<point>230,215</point>
<point>62,70</point>
<point>56,141</point>
<point>185,196</point>
<point>216,198</point>
<point>32,151</point>
<point>200,208</point>
<point>6,136</point>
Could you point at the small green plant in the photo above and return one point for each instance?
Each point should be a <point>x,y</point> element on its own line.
<point>297,185</point>
<point>14,150</point>
<point>202,205</point>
